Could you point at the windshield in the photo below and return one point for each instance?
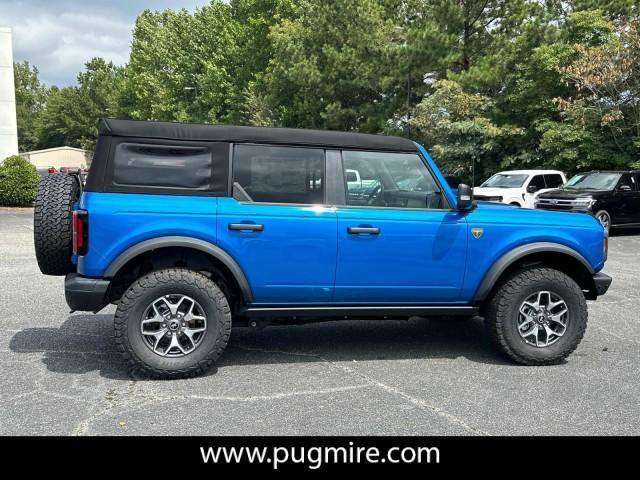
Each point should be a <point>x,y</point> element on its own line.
<point>505,180</point>
<point>594,181</point>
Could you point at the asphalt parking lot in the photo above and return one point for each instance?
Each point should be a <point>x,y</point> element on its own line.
<point>60,373</point>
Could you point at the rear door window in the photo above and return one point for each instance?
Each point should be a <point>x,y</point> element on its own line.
<point>537,181</point>
<point>274,174</point>
<point>553,180</point>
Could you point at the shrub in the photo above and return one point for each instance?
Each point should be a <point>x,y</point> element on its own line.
<point>18,182</point>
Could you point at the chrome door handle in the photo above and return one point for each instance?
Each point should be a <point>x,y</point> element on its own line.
<point>369,230</point>
<point>249,227</point>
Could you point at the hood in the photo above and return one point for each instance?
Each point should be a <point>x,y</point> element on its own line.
<point>491,190</point>
<point>528,217</point>
<point>570,194</point>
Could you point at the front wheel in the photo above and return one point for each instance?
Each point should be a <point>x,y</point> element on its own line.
<point>172,323</point>
<point>605,219</point>
<point>537,316</point>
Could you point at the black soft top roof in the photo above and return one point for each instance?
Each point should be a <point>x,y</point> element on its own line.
<point>230,133</point>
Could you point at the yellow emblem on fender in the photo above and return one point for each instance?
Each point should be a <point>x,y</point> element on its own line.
<point>477,232</point>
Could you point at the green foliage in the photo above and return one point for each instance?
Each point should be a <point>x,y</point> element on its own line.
<point>71,115</point>
<point>487,83</point>
<point>329,67</point>
<point>456,126</point>
<point>31,98</point>
<point>181,65</point>
<point>18,182</point>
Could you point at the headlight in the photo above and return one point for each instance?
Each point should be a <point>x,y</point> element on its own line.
<point>585,202</point>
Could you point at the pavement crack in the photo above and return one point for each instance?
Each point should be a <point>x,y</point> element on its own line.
<point>387,388</point>
<point>275,396</point>
<point>112,399</point>
<point>615,335</point>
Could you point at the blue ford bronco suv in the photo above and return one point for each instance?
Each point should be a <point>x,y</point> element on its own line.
<point>193,229</point>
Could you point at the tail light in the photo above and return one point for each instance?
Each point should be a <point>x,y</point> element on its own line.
<point>605,246</point>
<point>80,232</point>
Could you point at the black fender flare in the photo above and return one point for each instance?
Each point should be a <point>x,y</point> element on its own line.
<point>508,259</point>
<point>186,242</point>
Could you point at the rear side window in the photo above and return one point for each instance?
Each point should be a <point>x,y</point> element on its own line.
<point>280,174</point>
<point>162,166</point>
<point>553,180</point>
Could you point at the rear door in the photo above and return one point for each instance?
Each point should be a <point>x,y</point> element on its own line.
<point>278,227</point>
<point>628,200</point>
<point>398,242</point>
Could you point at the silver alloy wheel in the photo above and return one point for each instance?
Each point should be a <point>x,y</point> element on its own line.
<point>604,219</point>
<point>542,319</point>
<point>173,325</point>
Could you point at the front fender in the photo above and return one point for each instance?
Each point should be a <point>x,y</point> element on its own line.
<point>512,256</point>
<point>506,232</point>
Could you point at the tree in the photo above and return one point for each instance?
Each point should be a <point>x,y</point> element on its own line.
<point>72,113</point>
<point>31,98</point>
<point>329,66</point>
<point>456,127</point>
<point>607,96</point>
<point>254,50</point>
<point>181,65</point>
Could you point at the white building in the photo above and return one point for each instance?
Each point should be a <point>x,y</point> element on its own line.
<point>8,124</point>
<point>59,157</point>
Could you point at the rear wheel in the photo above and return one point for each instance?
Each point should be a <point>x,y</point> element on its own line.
<point>52,223</point>
<point>172,323</point>
<point>538,316</point>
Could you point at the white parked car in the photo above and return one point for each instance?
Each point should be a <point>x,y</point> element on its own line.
<point>518,187</point>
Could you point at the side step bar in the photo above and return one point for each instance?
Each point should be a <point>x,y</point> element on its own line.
<point>356,311</point>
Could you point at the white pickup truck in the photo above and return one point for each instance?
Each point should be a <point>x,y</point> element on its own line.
<point>518,187</point>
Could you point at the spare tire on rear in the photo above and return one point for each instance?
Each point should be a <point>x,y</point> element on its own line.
<point>53,223</point>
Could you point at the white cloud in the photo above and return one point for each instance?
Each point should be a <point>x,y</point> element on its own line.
<point>59,37</point>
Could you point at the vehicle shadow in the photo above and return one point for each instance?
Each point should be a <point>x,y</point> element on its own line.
<point>84,343</point>
<point>624,232</point>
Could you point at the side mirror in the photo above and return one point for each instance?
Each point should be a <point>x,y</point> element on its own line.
<point>624,188</point>
<point>465,197</point>
<point>532,189</point>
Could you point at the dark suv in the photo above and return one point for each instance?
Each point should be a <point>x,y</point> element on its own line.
<point>612,197</point>
<point>193,229</point>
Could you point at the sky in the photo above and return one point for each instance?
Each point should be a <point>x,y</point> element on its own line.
<point>59,36</point>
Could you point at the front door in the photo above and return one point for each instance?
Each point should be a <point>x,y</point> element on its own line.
<point>398,242</point>
<point>277,228</point>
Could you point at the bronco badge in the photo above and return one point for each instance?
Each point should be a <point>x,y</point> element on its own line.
<point>477,232</point>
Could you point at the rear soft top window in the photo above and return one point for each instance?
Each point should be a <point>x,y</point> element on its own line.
<point>163,166</point>
<point>159,166</point>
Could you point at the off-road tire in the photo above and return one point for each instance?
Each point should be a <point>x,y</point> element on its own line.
<point>502,312</point>
<point>141,293</point>
<point>52,223</point>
